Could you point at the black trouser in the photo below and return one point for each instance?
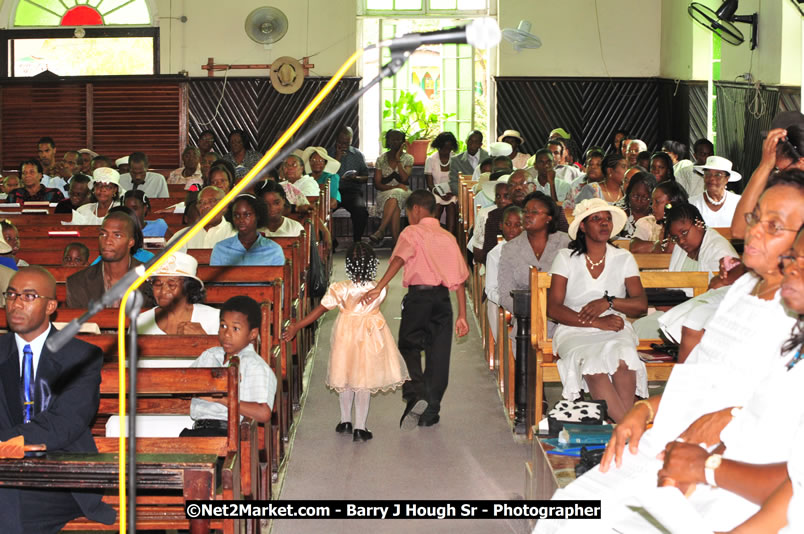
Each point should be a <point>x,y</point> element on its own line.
<point>426,326</point>
<point>47,511</point>
<point>352,200</point>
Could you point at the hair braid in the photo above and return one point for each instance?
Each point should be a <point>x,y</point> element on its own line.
<point>361,263</point>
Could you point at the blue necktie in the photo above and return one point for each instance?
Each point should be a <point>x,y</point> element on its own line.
<point>27,383</point>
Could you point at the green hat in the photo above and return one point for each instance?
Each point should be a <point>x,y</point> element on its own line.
<point>561,132</point>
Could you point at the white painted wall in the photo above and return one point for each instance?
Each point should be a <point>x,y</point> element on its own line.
<point>630,33</point>
<point>216,29</point>
<point>685,45</point>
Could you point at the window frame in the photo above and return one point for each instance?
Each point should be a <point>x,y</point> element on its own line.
<point>8,36</point>
<point>425,11</point>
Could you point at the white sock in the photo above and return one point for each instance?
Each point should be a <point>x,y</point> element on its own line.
<point>362,400</point>
<point>346,398</point>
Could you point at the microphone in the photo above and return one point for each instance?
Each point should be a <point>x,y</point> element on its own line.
<point>480,33</point>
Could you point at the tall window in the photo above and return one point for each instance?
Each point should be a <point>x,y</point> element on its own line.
<point>448,79</point>
<point>81,38</point>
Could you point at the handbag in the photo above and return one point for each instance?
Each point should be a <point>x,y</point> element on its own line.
<point>576,412</point>
<point>318,282</point>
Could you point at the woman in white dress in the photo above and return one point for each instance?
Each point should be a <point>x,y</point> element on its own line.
<point>391,181</point>
<point>594,286</point>
<point>179,294</point>
<point>436,172</point>
<point>716,204</point>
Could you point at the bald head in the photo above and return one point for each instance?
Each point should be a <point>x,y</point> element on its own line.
<point>34,277</point>
<point>518,177</point>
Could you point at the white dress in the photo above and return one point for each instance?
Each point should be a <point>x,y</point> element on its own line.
<point>586,350</point>
<point>739,352</point>
<point>432,166</point>
<point>720,218</point>
<point>207,316</point>
<point>289,228</point>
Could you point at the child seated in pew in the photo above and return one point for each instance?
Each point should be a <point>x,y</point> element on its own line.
<point>75,255</point>
<point>239,329</point>
<point>364,358</point>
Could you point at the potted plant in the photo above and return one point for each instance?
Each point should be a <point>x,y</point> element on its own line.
<point>412,118</point>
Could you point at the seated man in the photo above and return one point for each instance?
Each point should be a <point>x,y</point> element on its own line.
<point>151,183</point>
<point>117,243</point>
<point>353,173</point>
<point>75,255</point>
<point>63,391</point>
<point>78,194</point>
<point>467,161</point>
<point>239,328</point>
<point>32,189</point>
<point>216,230</point>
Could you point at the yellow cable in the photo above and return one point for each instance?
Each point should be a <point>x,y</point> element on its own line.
<point>121,325</point>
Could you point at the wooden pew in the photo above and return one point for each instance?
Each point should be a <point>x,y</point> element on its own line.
<point>541,363</point>
<point>167,391</point>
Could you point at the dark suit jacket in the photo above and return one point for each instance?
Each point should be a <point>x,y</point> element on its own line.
<point>87,285</point>
<point>66,398</point>
<point>459,164</point>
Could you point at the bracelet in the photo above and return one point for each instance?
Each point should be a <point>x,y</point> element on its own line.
<point>647,403</point>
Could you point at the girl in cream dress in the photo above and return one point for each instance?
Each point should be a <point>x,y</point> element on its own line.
<point>364,358</point>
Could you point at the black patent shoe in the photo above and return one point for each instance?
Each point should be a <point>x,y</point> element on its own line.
<point>344,428</point>
<point>362,434</point>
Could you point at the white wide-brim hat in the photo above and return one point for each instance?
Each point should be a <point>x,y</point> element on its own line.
<point>106,175</point>
<point>596,205</point>
<point>717,163</point>
<point>180,264</point>
<point>121,161</point>
<point>511,133</point>
<point>490,187</point>
<point>88,151</point>
<point>332,165</point>
<point>500,149</point>
<point>5,248</point>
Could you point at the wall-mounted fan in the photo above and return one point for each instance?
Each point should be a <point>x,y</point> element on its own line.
<point>721,21</point>
<point>266,25</point>
<point>520,37</point>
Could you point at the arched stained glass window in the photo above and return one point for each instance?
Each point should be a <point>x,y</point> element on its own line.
<point>49,13</point>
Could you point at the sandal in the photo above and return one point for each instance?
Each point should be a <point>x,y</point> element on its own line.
<point>376,240</point>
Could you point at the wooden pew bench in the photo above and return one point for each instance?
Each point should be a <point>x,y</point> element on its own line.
<point>173,469</point>
<point>542,360</point>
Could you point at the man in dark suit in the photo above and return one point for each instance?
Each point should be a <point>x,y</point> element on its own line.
<point>49,399</point>
<point>465,162</point>
<point>119,238</point>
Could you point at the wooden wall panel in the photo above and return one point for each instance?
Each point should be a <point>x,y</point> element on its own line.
<point>30,112</point>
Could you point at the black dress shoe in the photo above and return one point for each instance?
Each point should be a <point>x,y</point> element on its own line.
<point>363,434</point>
<point>410,417</point>
<point>430,420</point>
<point>344,428</point>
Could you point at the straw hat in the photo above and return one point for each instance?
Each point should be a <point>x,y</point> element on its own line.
<point>106,175</point>
<point>5,248</point>
<point>180,264</point>
<point>596,205</point>
<point>511,133</point>
<point>490,187</point>
<point>286,74</point>
<point>500,149</point>
<point>88,151</point>
<point>332,165</point>
<point>716,163</point>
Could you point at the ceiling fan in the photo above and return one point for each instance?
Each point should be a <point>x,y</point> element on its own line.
<point>520,37</point>
<point>722,21</point>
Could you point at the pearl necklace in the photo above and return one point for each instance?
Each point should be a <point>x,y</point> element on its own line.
<point>715,202</point>
<point>594,264</point>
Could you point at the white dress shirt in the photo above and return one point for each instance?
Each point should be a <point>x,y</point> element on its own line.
<point>154,186</point>
<point>36,347</point>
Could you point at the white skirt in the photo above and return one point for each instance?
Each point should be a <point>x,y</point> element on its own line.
<point>588,351</point>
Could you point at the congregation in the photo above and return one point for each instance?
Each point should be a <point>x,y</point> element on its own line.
<point>588,220</point>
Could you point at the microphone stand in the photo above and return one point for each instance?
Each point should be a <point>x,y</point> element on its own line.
<point>399,54</point>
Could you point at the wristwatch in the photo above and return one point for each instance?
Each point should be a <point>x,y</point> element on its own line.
<point>610,299</point>
<point>711,464</point>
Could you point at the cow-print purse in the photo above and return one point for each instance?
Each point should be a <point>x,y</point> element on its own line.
<point>576,412</point>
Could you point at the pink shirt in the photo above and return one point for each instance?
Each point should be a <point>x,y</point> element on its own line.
<point>431,256</point>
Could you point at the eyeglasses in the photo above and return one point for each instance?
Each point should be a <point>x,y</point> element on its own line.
<point>770,227</point>
<point>713,174</point>
<point>788,261</point>
<point>172,285</point>
<point>26,297</point>
<point>683,234</point>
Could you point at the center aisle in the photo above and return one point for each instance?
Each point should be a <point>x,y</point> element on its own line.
<point>470,454</point>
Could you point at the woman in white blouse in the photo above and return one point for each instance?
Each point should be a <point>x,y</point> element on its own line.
<point>716,204</point>
<point>278,225</point>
